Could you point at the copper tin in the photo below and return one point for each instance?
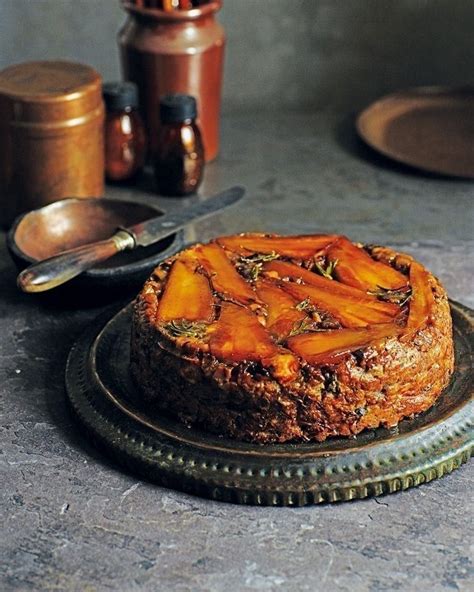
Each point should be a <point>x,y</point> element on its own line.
<point>51,135</point>
<point>179,51</point>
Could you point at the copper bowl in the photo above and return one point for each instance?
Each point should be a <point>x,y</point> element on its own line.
<point>72,222</point>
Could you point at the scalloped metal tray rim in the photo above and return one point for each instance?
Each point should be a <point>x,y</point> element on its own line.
<point>291,474</point>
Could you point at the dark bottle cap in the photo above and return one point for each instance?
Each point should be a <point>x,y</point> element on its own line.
<point>177,107</point>
<point>119,95</point>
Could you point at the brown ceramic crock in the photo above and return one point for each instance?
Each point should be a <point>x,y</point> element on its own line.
<point>51,135</point>
<point>179,51</point>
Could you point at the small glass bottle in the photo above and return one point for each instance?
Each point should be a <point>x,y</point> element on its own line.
<point>125,141</point>
<point>179,157</point>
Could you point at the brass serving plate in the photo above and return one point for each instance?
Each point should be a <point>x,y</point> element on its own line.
<point>162,450</point>
<point>430,128</point>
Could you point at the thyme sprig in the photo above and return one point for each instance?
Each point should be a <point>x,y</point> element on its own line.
<point>252,266</point>
<point>303,326</point>
<point>322,320</point>
<point>185,328</point>
<point>327,271</point>
<point>304,305</point>
<point>399,296</point>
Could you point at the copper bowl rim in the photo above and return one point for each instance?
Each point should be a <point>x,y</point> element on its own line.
<point>101,273</point>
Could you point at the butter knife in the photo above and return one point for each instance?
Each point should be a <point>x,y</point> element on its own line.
<point>61,268</point>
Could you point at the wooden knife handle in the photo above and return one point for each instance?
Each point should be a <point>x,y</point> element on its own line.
<point>61,268</point>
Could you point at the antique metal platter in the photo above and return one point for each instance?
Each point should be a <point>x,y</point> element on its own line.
<point>162,450</point>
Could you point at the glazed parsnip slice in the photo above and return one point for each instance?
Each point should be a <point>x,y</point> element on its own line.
<point>356,268</point>
<point>288,270</point>
<point>187,293</point>
<point>326,347</point>
<point>222,274</point>
<point>282,312</point>
<point>422,299</point>
<point>349,312</point>
<point>238,336</point>
<point>300,247</point>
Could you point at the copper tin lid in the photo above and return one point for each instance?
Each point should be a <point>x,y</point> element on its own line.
<point>49,92</point>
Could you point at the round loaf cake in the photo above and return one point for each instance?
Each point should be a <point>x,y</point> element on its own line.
<point>270,338</point>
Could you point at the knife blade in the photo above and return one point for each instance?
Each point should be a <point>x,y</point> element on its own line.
<point>151,231</point>
<point>61,268</point>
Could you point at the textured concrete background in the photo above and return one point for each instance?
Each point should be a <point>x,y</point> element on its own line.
<point>281,53</point>
<point>71,520</point>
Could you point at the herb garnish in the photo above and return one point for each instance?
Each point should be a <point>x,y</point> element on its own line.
<point>304,305</point>
<point>252,266</point>
<point>302,326</point>
<point>184,328</point>
<point>399,296</point>
<point>328,270</point>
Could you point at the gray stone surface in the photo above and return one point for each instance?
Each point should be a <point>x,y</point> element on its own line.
<point>73,521</point>
<point>280,53</point>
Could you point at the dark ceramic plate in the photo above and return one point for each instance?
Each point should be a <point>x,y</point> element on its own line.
<point>70,223</point>
<point>430,128</point>
<point>163,450</point>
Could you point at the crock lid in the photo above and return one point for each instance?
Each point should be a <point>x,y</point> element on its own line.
<point>47,91</point>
